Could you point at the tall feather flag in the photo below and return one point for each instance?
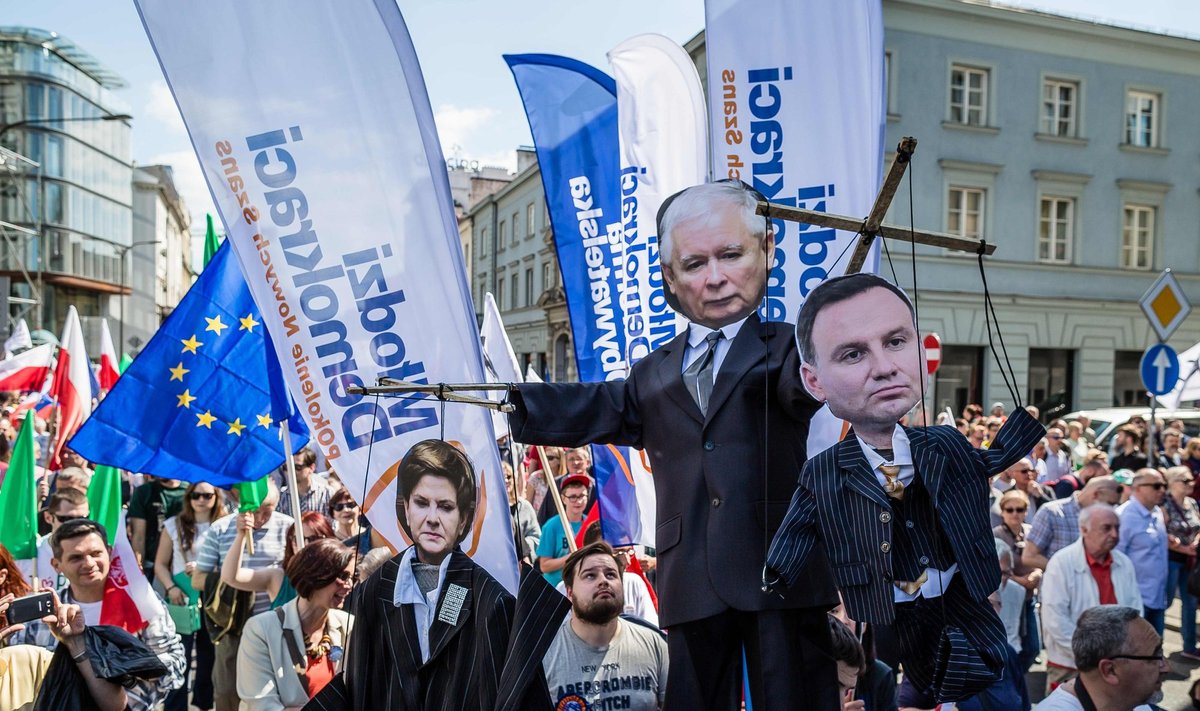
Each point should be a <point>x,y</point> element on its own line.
<point>104,498</point>
<point>211,242</point>
<point>72,385</point>
<point>197,403</point>
<point>129,602</point>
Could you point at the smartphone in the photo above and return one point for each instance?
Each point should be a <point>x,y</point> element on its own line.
<point>31,607</point>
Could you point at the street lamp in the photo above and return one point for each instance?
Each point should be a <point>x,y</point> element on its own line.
<point>41,252</point>
<point>121,326</point>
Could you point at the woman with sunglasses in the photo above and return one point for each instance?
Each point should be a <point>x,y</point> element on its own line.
<point>1014,504</point>
<point>174,562</point>
<point>1183,534</point>
<point>289,654</point>
<point>543,460</point>
<point>349,526</point>
<point>273,581</point>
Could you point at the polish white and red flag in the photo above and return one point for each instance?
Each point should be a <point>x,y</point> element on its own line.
<point>129,602</point>
<point>72,385</point>
<point>27,370</point>
<point>108,358</point>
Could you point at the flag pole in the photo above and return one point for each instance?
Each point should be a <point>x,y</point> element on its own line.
<point>293,490</point>
<point>558,504</point>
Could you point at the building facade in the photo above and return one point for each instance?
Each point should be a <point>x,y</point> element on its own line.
<point>71,215</point>
<point>160,263</point>
<point>513,258</point>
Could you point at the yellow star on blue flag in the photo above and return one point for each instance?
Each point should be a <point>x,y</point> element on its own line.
<point>181,408</point>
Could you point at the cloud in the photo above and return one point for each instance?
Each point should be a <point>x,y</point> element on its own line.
<point>160,108</point>
<point>189,181</point>
<point>457,127</point>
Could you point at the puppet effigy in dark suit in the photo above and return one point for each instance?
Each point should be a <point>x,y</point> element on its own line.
<point>903,512</point>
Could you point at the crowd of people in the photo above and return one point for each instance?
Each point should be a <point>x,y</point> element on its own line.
<point>1078,544</point>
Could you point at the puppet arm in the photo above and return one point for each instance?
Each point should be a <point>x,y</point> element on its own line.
<point>793,543</point>
<point>1014,440</point>
<point>577,414</point>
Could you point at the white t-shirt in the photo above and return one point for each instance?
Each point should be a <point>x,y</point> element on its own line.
<point>630,673</point>
<point>178,558</point>
<point>1063,700</point>
<point>91,612</point>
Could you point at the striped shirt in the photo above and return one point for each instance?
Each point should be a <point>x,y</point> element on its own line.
<point>269,543</point>
<point>315,499</point>
<point>1055,526</point>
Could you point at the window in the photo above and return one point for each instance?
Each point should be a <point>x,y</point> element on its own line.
<point>1137,237</point>
<point>887,82</point>
<point>1141,119</point>
<point>964,211</point>
<point>516,232</point>
<point>1059,101</point>
<point>529,286</point>
<point>1127,379</point>
<point>529,224</point>
<point>959,378</point>
<point>515,292</point>
<point>483,242</point>
<point>500,292</point>
<point>547,276</point>
<point>501,235</point>
<point>1056,229</point>
<point>968,95</point>
<point>1051,381</point>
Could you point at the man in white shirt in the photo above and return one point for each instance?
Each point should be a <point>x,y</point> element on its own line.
<point>1087,573</point>
<point>1121,663</point>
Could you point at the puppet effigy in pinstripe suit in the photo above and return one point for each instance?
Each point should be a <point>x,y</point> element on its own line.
<point>903,512</point>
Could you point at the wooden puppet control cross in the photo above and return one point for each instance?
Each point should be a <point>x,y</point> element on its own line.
<point>867,230</point>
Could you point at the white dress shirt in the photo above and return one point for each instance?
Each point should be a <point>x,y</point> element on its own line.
<point>936,580</point>
<point>695,346</point>
<point>424,604</point>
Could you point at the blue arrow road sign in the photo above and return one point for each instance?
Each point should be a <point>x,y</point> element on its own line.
<point>1160,369</point>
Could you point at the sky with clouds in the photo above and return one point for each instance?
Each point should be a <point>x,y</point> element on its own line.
<point>460,44</point>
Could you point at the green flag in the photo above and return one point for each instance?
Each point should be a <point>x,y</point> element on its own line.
<point>104,499</point>
<point>125,362</point>
<point>251,494</point>
<point>18,497</point>
<point>210,241</point>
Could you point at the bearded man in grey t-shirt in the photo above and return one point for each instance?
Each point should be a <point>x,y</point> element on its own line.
<point>598,660</point>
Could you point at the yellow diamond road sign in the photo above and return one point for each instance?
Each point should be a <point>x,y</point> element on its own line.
<point>1165,305</point>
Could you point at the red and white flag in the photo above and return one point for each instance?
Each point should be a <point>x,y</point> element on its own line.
<point>129,601</point>
<point>72,386</point>
<point>27,370</point>
<point>108,358</point>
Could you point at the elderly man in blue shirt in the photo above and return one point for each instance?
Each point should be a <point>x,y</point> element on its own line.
<point>1144,540</point>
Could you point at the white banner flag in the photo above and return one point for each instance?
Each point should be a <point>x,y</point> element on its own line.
<point>313,127</point>
<point>796,106</point>
<point>499,359</point>
<point>663,141</point>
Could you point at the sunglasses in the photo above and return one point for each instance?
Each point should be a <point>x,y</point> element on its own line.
<point>576,497</point>
<point>344,506</point>
<point>65,519</point>
<point>1158,485</point>
<point>1026,470</point>
<point>1016,510</point>
<point>199,495</point>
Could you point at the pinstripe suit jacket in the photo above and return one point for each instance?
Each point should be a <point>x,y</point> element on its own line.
<point>490,659</point>
<point>723,479</point>
<point>839,501</point>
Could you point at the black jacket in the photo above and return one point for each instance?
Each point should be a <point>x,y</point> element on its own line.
<point>723,482</point>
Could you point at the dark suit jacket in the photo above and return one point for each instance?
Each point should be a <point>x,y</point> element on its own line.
<point>722,481</point>
<point>839,500</point>
<point>489,660</point>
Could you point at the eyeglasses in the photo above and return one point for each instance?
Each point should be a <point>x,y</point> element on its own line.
<point>1158,485</point>
<point>1023,509</point>
<point>344,506</point>
<point>1026,470</point>
<point>576,497</point>
<point>200,495</point>
<point>1159,658</point>
<point>65,519</point>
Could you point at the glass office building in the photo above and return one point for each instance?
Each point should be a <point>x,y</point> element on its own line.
<point>53,100</point>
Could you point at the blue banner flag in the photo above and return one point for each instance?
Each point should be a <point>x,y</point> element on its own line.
<point>199,403</point>
<point>572,111</point>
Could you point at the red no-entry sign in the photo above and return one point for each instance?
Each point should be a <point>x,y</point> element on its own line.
<point>933,352</point>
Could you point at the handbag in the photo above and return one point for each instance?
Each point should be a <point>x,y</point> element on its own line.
<point>226,609</point>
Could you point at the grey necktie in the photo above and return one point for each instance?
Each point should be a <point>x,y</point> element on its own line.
<point>699,375</point>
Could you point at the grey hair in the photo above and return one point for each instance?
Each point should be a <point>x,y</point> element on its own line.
<point>696,203</point>
<point>1145,473</point>
<point>1088,512</point>
<point>1100,633</point>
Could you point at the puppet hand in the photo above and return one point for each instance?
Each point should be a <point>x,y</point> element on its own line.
<point>771,582</point>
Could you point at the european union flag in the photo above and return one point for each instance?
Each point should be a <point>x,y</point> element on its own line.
<point>204,400</point>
